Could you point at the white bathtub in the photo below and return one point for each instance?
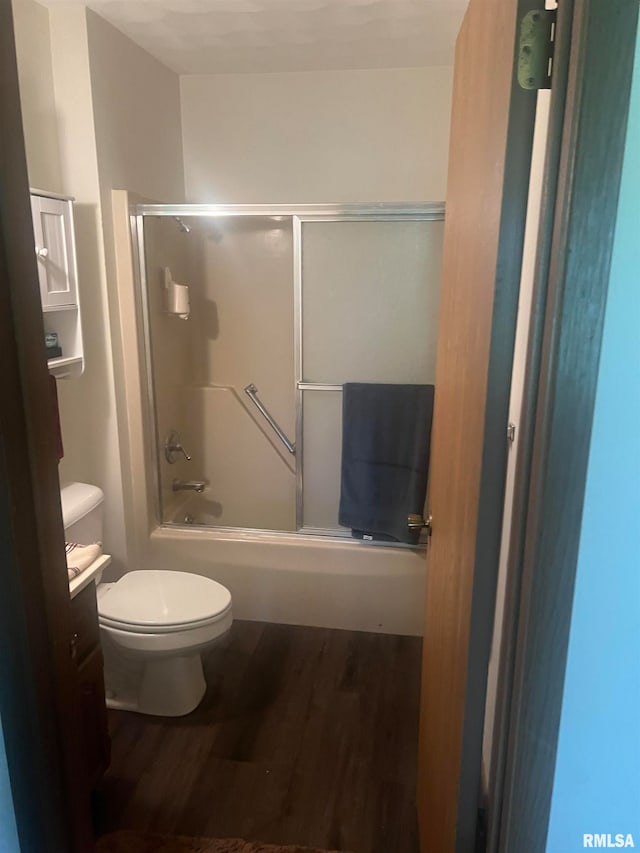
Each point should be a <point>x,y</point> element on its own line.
<point>300,579</point>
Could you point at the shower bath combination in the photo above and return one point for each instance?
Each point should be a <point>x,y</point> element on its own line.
<point>284,306</point>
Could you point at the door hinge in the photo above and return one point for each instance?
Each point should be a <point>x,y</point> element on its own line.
<point>511,433</point>
<point>535,49</point>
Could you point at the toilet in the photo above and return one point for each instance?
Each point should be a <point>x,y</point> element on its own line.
<point>154,624</point>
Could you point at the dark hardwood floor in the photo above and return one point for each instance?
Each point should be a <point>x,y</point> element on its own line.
<point>306,736</point>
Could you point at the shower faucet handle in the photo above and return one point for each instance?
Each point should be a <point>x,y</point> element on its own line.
<point>173,445</point>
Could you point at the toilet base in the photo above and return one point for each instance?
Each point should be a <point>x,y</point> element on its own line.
<point>163,686</point>
<point>171,687</point>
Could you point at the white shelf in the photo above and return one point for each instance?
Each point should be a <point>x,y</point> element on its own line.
<point>63,367</point>
<point>92,574</point>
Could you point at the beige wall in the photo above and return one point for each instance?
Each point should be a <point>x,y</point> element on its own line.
<point>100,113</point>
<point>111,116</point>
<point>334,136</point>
<point>33,48</point>
<point>136,104</point>
<point>136,109</point>
<point>86,404</point>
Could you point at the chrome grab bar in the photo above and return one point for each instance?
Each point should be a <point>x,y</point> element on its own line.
<point>189,485</point>
<point>252,393</point>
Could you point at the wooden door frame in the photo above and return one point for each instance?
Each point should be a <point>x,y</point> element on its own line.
<point>39,698</point>
<point>583,171</point>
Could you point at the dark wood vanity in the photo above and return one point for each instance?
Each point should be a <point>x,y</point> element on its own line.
<point>87,654</point>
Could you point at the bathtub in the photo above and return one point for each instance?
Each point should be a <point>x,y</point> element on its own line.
<point>298,579</point>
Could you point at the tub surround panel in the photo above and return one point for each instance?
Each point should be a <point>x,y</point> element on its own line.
<point>167,246</point>
<point>251,483</point>
<point>240,274</point>
<point>240,277</point>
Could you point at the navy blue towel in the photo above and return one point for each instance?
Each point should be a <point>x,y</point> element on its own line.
<point>386,432</point>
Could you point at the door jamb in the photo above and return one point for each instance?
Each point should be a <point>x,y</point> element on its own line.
<point>552,466</point>
<point>517,169</point>
<point>495,781</point>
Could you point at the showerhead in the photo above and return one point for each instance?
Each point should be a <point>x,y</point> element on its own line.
<point>183,226</point>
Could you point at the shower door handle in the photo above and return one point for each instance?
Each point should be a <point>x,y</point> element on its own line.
<point>252,393</point>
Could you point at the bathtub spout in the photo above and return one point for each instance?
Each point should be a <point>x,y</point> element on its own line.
<point>189,485</point>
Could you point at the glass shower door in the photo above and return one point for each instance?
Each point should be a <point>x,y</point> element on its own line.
<point>239,334</point>
<point>369,313</point>
<point>284,307</point>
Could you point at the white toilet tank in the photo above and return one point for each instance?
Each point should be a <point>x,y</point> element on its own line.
<point>82,507</point>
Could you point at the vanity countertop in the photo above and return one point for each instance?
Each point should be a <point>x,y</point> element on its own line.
<point>91,575</point>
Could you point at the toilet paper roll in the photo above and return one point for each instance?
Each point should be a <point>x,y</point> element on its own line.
<point>178,300</point>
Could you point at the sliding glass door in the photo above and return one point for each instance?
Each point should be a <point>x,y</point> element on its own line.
<point>254,320</point>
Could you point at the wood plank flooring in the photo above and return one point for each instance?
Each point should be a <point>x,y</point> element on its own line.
<point>306,736</point>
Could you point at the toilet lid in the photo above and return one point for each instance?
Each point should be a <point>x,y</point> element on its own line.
<point>163,598</point>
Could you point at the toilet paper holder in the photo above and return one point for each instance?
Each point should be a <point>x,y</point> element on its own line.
<point>177,295</point>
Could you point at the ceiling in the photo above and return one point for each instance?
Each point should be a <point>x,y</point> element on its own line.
<point>228,36</point>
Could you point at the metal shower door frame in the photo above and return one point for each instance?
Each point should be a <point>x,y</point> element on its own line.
<point>300,215</point>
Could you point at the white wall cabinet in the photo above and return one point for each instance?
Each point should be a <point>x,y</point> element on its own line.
<point>58,277</point>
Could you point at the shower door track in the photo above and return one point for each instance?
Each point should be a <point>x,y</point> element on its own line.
<point>299,214</point>
<point>329,212</point>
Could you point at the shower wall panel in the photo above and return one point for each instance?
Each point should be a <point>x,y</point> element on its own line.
<point>250,484</point>
<point>241,270</point>
<point>167,246</point>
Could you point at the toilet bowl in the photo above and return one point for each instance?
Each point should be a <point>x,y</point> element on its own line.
<point>154,626</point>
